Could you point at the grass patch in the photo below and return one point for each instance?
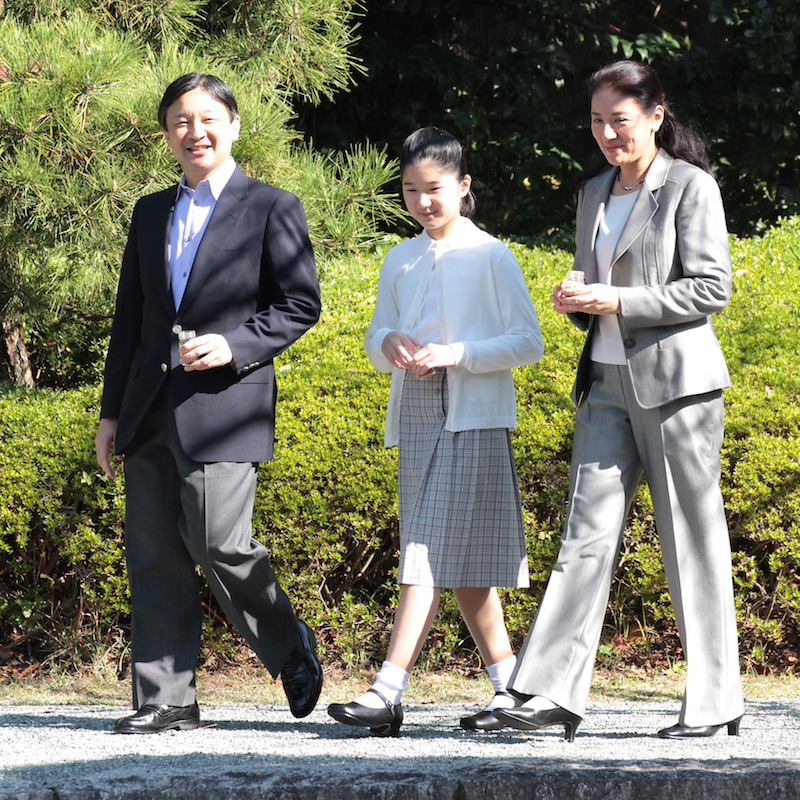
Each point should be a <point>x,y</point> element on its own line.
<point>248,685</point>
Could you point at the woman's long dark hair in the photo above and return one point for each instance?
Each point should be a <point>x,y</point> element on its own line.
<point>444,150</point>
<point>639,82</point>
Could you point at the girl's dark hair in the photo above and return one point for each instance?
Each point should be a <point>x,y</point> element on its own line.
<point>640,82</point>
<point>434,144</point>
<point>210,84</point>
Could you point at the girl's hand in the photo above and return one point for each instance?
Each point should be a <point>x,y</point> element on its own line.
<point>399,349</point>
<point>433,356</point>
<point>596,298</point>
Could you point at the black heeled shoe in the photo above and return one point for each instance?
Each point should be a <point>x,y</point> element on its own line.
<point>380,721</point>
<point>483,720</point>
<point>699,731</point>
<point>531,719</point>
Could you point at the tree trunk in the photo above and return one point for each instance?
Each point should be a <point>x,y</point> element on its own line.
<point>17,351</point>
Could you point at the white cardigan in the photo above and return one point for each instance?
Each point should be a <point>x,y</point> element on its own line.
<point>485,311</point>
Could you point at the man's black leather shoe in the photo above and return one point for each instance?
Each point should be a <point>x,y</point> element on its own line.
<point>302,675</point>
<point>153,718</point>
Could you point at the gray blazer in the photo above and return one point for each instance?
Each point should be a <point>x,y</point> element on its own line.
<point>672,266</point>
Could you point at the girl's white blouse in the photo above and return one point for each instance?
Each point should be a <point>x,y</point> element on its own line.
<point>485,314</point>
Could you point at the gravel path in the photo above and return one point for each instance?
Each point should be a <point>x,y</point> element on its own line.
<point>252,751</point>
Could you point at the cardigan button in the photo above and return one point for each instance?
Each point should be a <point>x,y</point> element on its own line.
<point>629,343</point>
<point>164,367</point>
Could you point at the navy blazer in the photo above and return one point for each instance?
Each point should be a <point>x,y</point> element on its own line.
<point>253,281</point>
<point>672,266</point>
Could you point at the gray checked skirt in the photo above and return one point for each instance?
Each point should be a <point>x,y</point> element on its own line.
<point>460,517</point>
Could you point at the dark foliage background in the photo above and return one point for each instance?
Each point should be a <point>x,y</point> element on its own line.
<point>508,78</point>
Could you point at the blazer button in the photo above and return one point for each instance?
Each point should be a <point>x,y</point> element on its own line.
<point>629,343</point>
<point>164,367</point>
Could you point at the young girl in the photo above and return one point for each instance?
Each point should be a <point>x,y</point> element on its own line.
<point>453,316</point>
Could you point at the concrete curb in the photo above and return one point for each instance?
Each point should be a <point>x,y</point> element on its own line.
<point>250,752</point>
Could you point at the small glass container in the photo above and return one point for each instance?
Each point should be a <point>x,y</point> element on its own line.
<point>575,277</point>
<point>184,335</point>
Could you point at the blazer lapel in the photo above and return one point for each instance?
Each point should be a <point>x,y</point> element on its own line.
<point>157,225</point>
<point>645,206</point>
<point>221,226</point>
<point>595,206</point>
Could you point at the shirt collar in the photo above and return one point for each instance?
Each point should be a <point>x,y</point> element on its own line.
<point>215,182</point>
<point>455,239</point>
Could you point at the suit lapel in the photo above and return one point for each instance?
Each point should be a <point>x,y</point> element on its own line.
<point>220,229</point>
<point>595,206</point>
<point>154,240</point>
<point>645,205</point>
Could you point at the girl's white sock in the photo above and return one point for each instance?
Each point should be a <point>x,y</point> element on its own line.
<point>390,683</point>
<point>500,674</point>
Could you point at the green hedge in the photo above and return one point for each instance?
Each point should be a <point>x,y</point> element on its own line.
<point>61,558</point>
<point>326,505</point>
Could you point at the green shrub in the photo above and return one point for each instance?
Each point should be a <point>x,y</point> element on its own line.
<point>61,554</point>
<point>762,446</point>
<point>326,506</point>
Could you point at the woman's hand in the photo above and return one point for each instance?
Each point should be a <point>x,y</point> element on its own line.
<point>596,298</point>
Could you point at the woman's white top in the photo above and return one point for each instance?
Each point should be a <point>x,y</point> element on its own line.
<point>607,347</point>
<point>483,310</point>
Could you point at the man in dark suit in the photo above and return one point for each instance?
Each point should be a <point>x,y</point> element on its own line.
<point>226,261</point>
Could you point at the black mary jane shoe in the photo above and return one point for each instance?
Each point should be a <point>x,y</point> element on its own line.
<point>384,721</point>
<point>699,731</point>
<point>483,720</point>
<point>531,719</point>
<point>155,718</point>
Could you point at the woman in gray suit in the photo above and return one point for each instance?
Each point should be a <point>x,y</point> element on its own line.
<point>652,241</point>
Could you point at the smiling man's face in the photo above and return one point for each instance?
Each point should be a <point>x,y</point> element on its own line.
<point>200,133</point>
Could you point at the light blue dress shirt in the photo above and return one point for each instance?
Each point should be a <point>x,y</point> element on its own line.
<point>190,216</point>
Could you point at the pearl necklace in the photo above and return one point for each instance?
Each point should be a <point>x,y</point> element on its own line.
<point>629,188</point>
